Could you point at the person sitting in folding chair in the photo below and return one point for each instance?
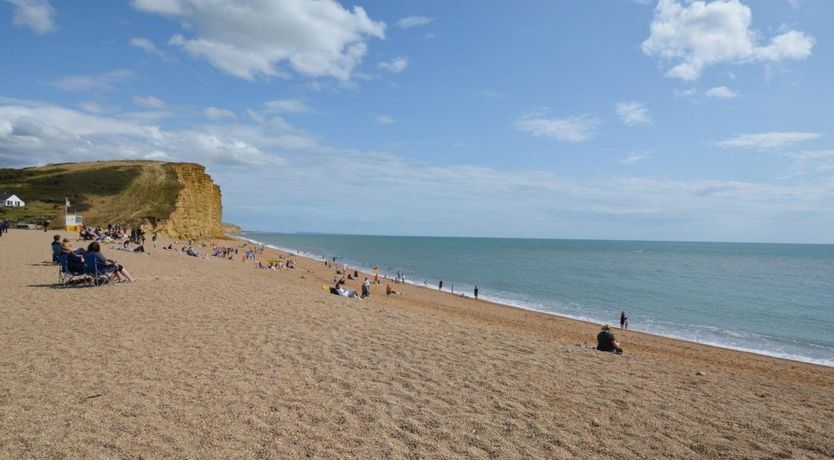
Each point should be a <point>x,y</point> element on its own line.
<point>100,265</point>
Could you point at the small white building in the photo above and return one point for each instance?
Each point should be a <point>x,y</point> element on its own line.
<point>12,201</point>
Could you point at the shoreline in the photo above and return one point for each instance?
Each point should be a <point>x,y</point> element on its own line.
<point>507,304</point>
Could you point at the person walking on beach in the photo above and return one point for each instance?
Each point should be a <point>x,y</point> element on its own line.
<point>440,285</point>
<point>623,320</point>
<point>476,292</point>
<point>366,288</point>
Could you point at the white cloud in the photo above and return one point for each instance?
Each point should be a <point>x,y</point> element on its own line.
<point>287,106</point>
<point>634,113</point>
<point>721,92</point>
<point>215,113</point>
<point>414,21</point>
<point>33,132</point>
<point>767,141</point>
<point>97,82</point>
<point>146,45</point>
<point>259,38</point>
<point>395,65</point>
<point>149,102</point>
<point>635,158</point>
<point>385,120</point>
<point>697,35</point>
<point>37,15</point>
<point>575,128</point>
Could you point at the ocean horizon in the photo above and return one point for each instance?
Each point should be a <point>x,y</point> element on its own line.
<point>767,298</point>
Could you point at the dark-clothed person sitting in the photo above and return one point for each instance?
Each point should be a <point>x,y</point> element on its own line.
<point>607,342</point>
<point>94,256</point>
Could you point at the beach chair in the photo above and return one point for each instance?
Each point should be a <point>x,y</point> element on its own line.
<point>71,270</point>
<point>97,273</point>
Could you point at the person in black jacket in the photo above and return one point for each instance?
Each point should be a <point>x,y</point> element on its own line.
<point>607,342</point>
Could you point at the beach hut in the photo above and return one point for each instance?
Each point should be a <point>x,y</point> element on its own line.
<point>74,222</point>
<point>12,201</point>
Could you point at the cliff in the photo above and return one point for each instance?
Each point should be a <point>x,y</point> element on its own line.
<point>198,209</point>
<point>177,199</point>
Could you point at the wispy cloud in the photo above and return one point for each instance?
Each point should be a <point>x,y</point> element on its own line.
<point>97,82</point>
<point>395,65</point>
<point>37,15</point>
<point>147,45</point>
<point>287,106</point>
<point>385,120</point>
<point>149,102</point>
<point>636,157</point>
<point>414,21</point>
<point>634,113</point>
<point>767,141</point>
<point>575,128</point>
<point>215,113</point>
<point>721,92</point>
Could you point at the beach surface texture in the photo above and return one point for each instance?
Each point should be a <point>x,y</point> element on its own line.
<point>213,358</point>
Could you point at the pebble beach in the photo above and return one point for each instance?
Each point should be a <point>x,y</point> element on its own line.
<point>212,358</point>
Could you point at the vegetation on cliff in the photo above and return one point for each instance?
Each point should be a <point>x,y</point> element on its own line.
<point>175,198</point>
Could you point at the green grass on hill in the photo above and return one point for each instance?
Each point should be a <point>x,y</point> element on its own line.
<point>120,192</point>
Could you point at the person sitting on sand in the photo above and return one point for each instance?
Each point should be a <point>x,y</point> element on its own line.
<point>66,247</point>
<point>607,342</point>
<point>108,266</point>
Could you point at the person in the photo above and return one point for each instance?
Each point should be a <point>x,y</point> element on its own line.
<point>153,239</point>
<point>366,288</point>
<point>476,292</point>
<point>440,285</point>
<point>607,342</point>
<point>623,320</point>
<point>388,290</point>
<point>56,248</point>
<point>108,266</point>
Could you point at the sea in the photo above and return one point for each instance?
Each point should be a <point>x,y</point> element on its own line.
<point>771,299</point>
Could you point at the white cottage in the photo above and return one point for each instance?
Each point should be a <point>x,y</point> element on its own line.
<point>12,201</point>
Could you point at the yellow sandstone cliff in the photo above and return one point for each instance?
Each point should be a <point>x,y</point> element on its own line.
<point>199,210</point>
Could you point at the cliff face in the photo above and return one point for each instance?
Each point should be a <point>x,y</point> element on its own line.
<point>198,210</point>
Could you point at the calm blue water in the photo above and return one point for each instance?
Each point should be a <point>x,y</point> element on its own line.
<point>774,299</point>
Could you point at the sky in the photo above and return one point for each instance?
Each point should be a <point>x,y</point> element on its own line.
<point>599,119</point>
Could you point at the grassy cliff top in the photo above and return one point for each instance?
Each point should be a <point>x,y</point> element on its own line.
<point>104,192</point>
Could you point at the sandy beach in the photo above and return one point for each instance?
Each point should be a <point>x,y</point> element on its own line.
<point>212,358</point>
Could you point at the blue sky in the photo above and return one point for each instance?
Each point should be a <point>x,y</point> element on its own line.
<point>618,119</point>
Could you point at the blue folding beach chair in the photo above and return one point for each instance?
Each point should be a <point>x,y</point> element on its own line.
<point>98,273</point>
<point>71,270</point>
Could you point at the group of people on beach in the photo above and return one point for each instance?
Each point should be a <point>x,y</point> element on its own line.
<point>89,260</point>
